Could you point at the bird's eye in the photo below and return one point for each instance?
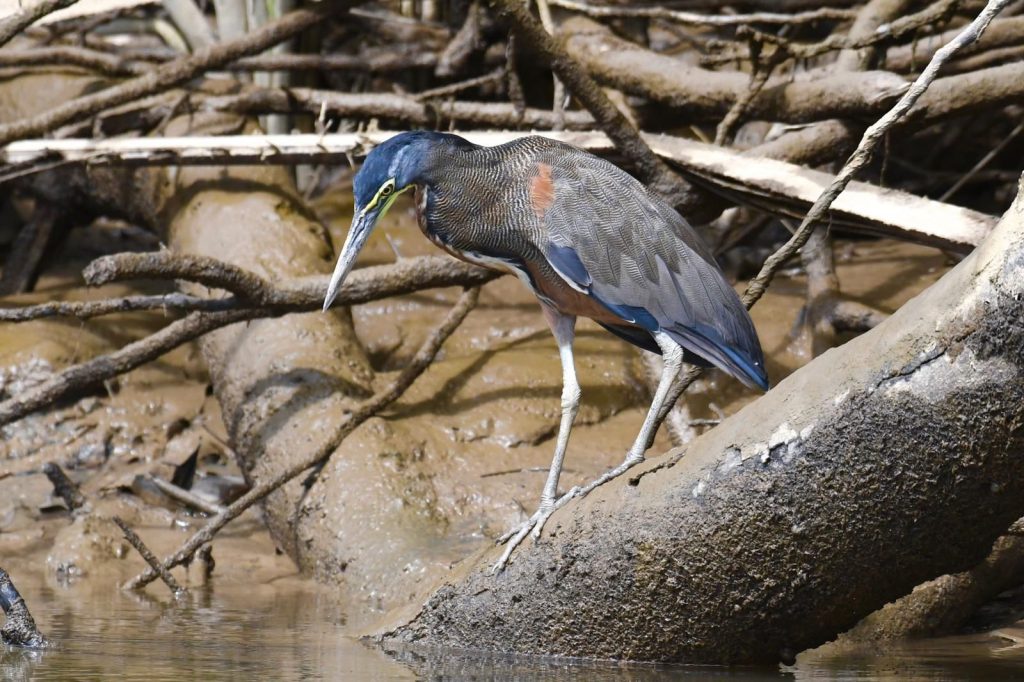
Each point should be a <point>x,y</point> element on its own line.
<point>386,190</point>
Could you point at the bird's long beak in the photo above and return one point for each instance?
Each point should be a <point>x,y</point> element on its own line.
<point>357,236</point>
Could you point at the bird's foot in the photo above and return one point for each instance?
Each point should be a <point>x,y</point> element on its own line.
<point>535,523</point>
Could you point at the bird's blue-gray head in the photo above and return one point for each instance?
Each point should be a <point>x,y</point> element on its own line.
<point>390,169</point>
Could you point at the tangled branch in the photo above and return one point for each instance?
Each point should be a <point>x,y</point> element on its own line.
<point>253,298</point>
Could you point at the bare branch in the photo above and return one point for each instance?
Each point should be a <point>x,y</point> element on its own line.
<point>385,62</point>
<point>865,150</point>
<point>92,372</point>
<point>64,486</point>
<point>168,265</point>
<point>936,13</point>
<point>364,285</point>
<point>1004,32</point>
<point>454,88</point>
<point>652,170</point>
<point>102,62</point>
<point>84,310</point>
<point>164,574</point>
<point>115,64</point>
<point>16,23</point>
<point>404,108</point>
<point>186,497</point>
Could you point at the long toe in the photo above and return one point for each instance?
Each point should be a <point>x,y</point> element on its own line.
<point>514,537</point>
<point>630,462</point>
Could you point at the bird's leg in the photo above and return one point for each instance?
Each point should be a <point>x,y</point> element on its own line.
<point>672,353</point>
<point>563,327</point>
<point>679,384</point>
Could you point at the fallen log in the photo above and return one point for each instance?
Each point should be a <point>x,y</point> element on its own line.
<point>881,464</point>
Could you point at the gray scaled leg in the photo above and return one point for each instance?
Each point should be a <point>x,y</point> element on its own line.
<point>679,384</point>
<point>564,329</point>
<point>672,353</point>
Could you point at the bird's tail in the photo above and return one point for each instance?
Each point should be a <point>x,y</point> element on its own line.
<point>746,366</point>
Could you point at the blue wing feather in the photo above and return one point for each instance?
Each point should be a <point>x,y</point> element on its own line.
<point>568,264</point>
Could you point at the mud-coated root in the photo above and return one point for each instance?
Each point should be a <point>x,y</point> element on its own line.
<point>20,629</point>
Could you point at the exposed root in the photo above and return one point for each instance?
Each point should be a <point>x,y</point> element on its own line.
<point>424,356</point>
<point>20,628</point>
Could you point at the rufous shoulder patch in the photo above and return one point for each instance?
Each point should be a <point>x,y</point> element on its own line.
<point>542,190</point>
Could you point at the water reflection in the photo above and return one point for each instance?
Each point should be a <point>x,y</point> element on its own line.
<point>296,632</point>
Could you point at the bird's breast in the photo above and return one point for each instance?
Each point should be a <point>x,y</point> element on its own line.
<point>434,229</point>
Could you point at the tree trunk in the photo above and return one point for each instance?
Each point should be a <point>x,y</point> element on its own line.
<point>891,460</point>
<point>283,384</point>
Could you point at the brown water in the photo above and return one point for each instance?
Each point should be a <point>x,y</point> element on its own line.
<point>234,630</point>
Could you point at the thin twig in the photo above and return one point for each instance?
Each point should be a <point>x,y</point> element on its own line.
<point>77,378</point>
<point>162,572</point>
<point>414,110</point>
<point>985,160</point>
<point>84,310</point>
<point>695,19</point>
<point>115,64</point>
<point>758,77</point>
<point>385,62</point>
<point>455,88</point>
<point>909,25</point>
<point>65,488</point>
<point>424,356</point>
<point>103,62</point>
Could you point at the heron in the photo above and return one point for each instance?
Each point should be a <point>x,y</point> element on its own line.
<point>588,239</point>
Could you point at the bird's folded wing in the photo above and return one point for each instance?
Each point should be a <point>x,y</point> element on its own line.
<point>608,237</point>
